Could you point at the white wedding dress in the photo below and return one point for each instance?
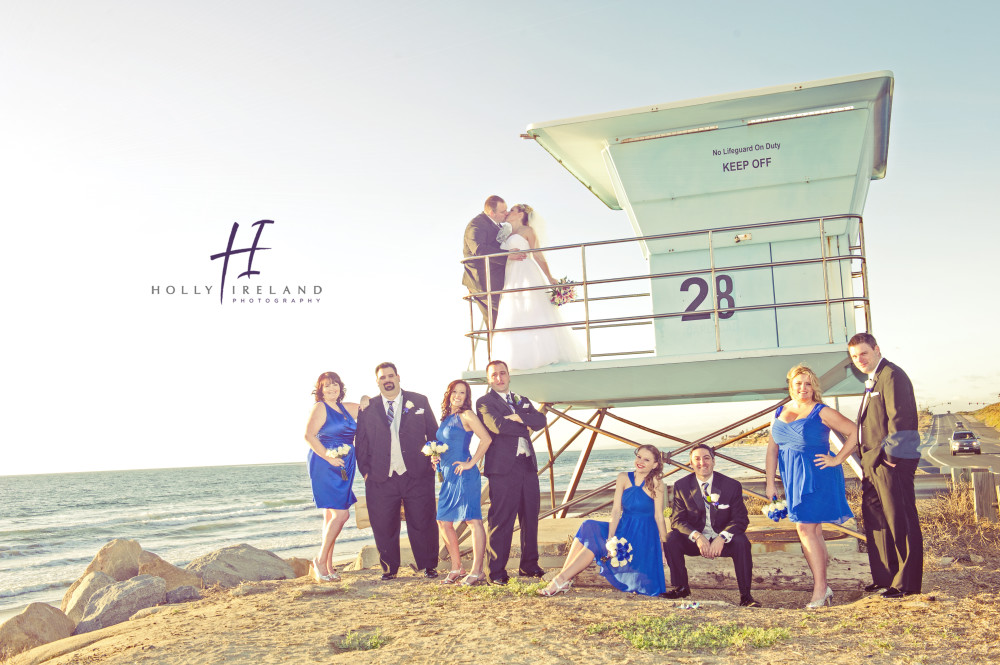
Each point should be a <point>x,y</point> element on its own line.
<point>528,349</point>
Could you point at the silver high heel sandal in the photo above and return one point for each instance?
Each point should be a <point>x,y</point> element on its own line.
<point>827,600</point>
<point>555,587</point>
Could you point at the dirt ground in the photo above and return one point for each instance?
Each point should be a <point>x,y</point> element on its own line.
<point>956,620</point>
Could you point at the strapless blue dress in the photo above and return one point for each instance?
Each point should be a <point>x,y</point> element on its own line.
<point>644,574</point>
<point>330,490</point>
<point>459,498</point>
<point>814,495</point>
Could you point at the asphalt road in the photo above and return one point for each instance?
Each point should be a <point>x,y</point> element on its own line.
<point>936,449</point>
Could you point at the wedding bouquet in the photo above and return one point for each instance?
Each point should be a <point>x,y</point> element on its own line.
<point>435,448</point>
<point>337,453</point>
<point>619,552</point>
<point>776,510</point>
<point>562,293</point>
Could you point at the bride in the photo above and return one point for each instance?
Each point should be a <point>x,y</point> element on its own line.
<point>528,349</point>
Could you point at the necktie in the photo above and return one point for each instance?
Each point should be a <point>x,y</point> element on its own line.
<point>390,414</point>
<point>510,400</point>
<point>704,491</point>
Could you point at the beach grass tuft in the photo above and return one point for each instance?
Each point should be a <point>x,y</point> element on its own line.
<point>671,632</point>
<point>514,588</point>
<point>359,640</point>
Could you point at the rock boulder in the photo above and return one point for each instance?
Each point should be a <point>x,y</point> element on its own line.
<point>86,587</point>
<point>38,624</point>
<point>118,559</point>
<point>117,602</point>
<point>239,563</point>
<point>151,564</point>
<point>302,567</point>
<point>183,594</point>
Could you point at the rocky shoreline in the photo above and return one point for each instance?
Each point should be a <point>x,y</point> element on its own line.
<point>123,581</point>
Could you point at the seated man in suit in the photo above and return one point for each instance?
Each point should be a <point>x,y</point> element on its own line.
<point>704,492</point>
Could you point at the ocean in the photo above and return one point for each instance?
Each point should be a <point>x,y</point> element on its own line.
<point>51,526</point>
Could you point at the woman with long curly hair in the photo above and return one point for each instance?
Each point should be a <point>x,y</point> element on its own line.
<point>636,517</point>
<point>459,499</point>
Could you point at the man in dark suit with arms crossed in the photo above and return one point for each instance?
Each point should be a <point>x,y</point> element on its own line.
<point>694,534</point>
<point>389,445</point>
<point>887,427</point>
<point>512,470</point>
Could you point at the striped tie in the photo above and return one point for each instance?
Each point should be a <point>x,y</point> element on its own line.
<point>391,414</point>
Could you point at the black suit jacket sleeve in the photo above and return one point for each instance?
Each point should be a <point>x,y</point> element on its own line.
<point>362,439</point>
<point>901,437</point>
<point>493,411</point>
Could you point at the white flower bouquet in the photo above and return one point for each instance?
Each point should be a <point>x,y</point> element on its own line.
<point>337,453</point>
<point>776,510</point>
<point>434,449</point>
<point>619,552</point>
<point>562,293</point>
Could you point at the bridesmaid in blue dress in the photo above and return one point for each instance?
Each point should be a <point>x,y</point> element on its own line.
<point>799,445</point>
<point>331,424</point>
<point>637,516</point>
<point>460,495</point>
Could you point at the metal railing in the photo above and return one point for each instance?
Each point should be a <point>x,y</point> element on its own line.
<point>854,257</point>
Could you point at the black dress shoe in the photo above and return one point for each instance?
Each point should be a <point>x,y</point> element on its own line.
<point>873,587</point>
<point>676,592</point>
<point>430,574</point>
<point>500,580</point>
<point>748,601</point>
<point>892,593</point>
<point>535,572</point>
<point>388,576</point>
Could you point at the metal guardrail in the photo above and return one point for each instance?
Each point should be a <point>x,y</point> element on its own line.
<point>855,253</point>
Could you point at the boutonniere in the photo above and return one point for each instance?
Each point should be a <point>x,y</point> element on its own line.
<point>713,499</point>
<point>505,230</point>
<point>869,384</point>
<point>407,406</point>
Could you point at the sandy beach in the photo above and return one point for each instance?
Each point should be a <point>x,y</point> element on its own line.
<point>421,621</point>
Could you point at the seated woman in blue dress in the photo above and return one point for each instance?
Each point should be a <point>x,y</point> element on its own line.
<point>799,444</point>
<point>460,497</point>
<point>331,425</point>
<point>637,516</point>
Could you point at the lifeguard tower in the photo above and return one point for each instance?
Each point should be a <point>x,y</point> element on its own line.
<point>749,240</point>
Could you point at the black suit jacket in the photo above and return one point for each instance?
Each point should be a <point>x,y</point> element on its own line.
<point>416,427</point>
<point>480,240</point>
<point>888,422</point>
<point>688,507</point>
<point>493,410</point>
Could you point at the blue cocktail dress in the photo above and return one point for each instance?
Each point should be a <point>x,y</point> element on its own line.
<point>330,490</point>
<point>814,495</point>
<point>459,498</point>
<point>644,574</point>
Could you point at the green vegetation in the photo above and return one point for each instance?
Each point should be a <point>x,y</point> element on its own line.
<point>360,641</point>
<point>672,632</point>
<point>515,587</point>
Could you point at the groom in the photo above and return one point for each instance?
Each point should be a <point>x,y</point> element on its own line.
<point>389,445</point>
<point>480,240</point>
<point>512,471</point>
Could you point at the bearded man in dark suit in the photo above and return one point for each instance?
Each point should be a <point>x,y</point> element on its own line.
<point>512,469</point>
<point>708,518</point>
<point>389,446</point>
<point>887,428</point>
<point>481,240</point>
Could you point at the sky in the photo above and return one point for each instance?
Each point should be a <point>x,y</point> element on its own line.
<point>134,135</point>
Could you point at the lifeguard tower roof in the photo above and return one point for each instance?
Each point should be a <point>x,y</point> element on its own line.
<point>578,143</point>
<point>746,209</point>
